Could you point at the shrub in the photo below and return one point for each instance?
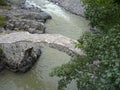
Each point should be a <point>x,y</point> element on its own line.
<point>3,21</point>
<point>99,69</point>
<point>103,14</point>
<point>3,3</point>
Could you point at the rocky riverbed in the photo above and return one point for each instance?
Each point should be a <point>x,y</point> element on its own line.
<point>20,56</point>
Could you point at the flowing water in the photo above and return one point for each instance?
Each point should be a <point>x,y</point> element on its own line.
<point>38,77</point>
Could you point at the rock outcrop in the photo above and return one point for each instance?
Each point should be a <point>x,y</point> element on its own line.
<point>19,56</point>
<point>74,6</point>
<point>24,18</point>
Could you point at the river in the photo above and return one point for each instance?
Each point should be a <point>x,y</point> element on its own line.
<point>38,77</point>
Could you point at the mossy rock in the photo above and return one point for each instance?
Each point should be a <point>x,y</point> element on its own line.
<point>1,52</point>
<point>3,21</point>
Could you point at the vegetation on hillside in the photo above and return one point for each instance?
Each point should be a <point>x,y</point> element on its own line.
<point>3,20</point>
<point>99,69</point>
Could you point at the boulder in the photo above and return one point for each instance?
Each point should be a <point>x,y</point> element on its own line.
<point>36,16</point>
<point>25,25</point>
<point>24,18</point>
<point>20,56</point>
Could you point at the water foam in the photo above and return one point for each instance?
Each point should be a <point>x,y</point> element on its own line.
<point>30,4</point>
<point>48,7</point>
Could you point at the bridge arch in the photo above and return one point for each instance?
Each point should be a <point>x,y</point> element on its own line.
<point>55,41</point>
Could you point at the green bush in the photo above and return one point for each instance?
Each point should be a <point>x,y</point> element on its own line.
<point>103,14</point>
<point>3,3</point>
<point>99,68</point>
<point>1,53</point>
<point>3,21</point>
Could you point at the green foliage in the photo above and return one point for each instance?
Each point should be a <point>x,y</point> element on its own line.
<point>3,21</point>
<point>99,68</point>
<point>103,14</point>
<point>103,51</point>
<point>117,1</point>
<point>1,53</point>
<point>69,71</point>
<point>3,3</point>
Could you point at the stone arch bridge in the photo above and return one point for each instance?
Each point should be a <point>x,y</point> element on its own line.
<point>22,49</point>
<point>56,41</point>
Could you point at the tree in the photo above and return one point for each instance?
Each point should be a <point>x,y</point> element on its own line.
<point>103,14</point>
<point>99,69</point>
<point>3,21</point>
<point>3,2</point>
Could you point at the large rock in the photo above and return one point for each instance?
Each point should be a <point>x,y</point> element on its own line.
<point>25,18</point>
<point>19,56</point>
<point>74,6</point>
<point>25,25</point>
<point>42,16</point>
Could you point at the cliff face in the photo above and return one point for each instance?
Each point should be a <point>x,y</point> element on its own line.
<point>74,6</point>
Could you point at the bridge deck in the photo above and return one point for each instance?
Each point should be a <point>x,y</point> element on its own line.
<point>56,41</point>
